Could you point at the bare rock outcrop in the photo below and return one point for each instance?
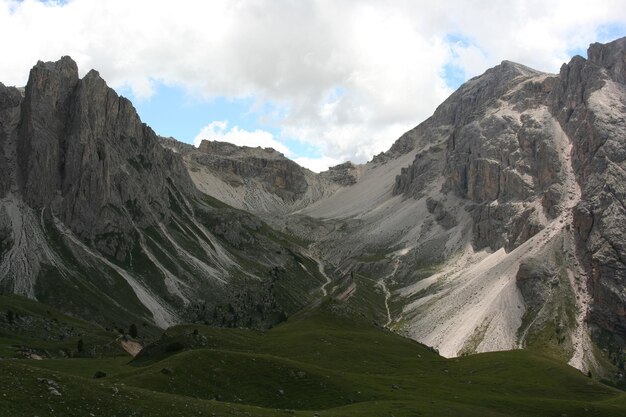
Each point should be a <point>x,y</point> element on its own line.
<point>343,174</point>
<point>500,154</point>
<point>534,278</point>
<point>81,149</point>
<point>517,138</point>
<point>590,102</point>
<point>277,174</point>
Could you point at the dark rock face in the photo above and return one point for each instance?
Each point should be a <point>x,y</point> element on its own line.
<point>533,278</point>
<point>611,58</point>
<point>590,102</point>
<point>10,99</point>
<point>499,154</point>
<point>414,179</point>
<point>442,216</point>
<point>343,174</point>
<point>82,148</point>
<point>45,113</point>
<point>504,225</point>
<point>278,174</point>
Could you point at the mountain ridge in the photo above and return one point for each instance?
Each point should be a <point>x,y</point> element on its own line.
<point>99,218</point>
<point>440,237</point>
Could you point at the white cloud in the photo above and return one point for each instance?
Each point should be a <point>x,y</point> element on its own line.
<point>348,76</point>
<point>219,131</point>
<point>470,59</point>
<point>318,164</point>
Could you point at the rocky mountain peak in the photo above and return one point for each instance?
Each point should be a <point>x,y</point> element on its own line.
<point>479,92</point>
<point>469,100</point>
<point>611,56</point>
<point>343,174</point>
<point>65,67</point>
<point>238,165</point>
<point>82,152</point>
<point>215,147</point>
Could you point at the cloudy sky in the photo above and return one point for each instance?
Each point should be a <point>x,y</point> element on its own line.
<point>322,81</point>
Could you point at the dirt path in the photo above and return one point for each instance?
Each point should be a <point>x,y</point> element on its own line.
<point>320,266</point>
<point>312,253</point>
<point>382,283</point>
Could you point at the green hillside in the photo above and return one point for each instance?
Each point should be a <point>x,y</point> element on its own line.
<point>321,362</point>
<point>31,328</point>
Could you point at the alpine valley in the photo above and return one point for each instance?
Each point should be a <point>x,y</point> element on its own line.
<point>476,268</point>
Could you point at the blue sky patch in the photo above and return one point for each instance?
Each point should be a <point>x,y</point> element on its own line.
<point>453,74</point>
<point>171,111</point>
<point>605,33</point>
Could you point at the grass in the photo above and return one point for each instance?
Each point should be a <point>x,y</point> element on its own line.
<point>372,257</point>
<point>41,329</point>
<point>318,362</point>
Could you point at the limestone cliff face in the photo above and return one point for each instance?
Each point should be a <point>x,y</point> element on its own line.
<point>343,174</point>
<point>99,218</point>
<point>277,174</point>
<point>260,180</point>
<point>84,153</point>
<point>499,149</point>
<point>10,99</point>
<point>514,135</point>
<point>590,103</point>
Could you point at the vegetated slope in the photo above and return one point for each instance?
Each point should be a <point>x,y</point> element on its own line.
<point>322,363</point>
<point>99,219</point>
<point>32,330</point>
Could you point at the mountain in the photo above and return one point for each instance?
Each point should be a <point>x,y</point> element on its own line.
<point>502,214</point>
<point>261,181</point>
<point>495,224</point>
<point>100,220</point>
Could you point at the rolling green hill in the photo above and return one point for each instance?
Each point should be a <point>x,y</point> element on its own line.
<point>321,362</point>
